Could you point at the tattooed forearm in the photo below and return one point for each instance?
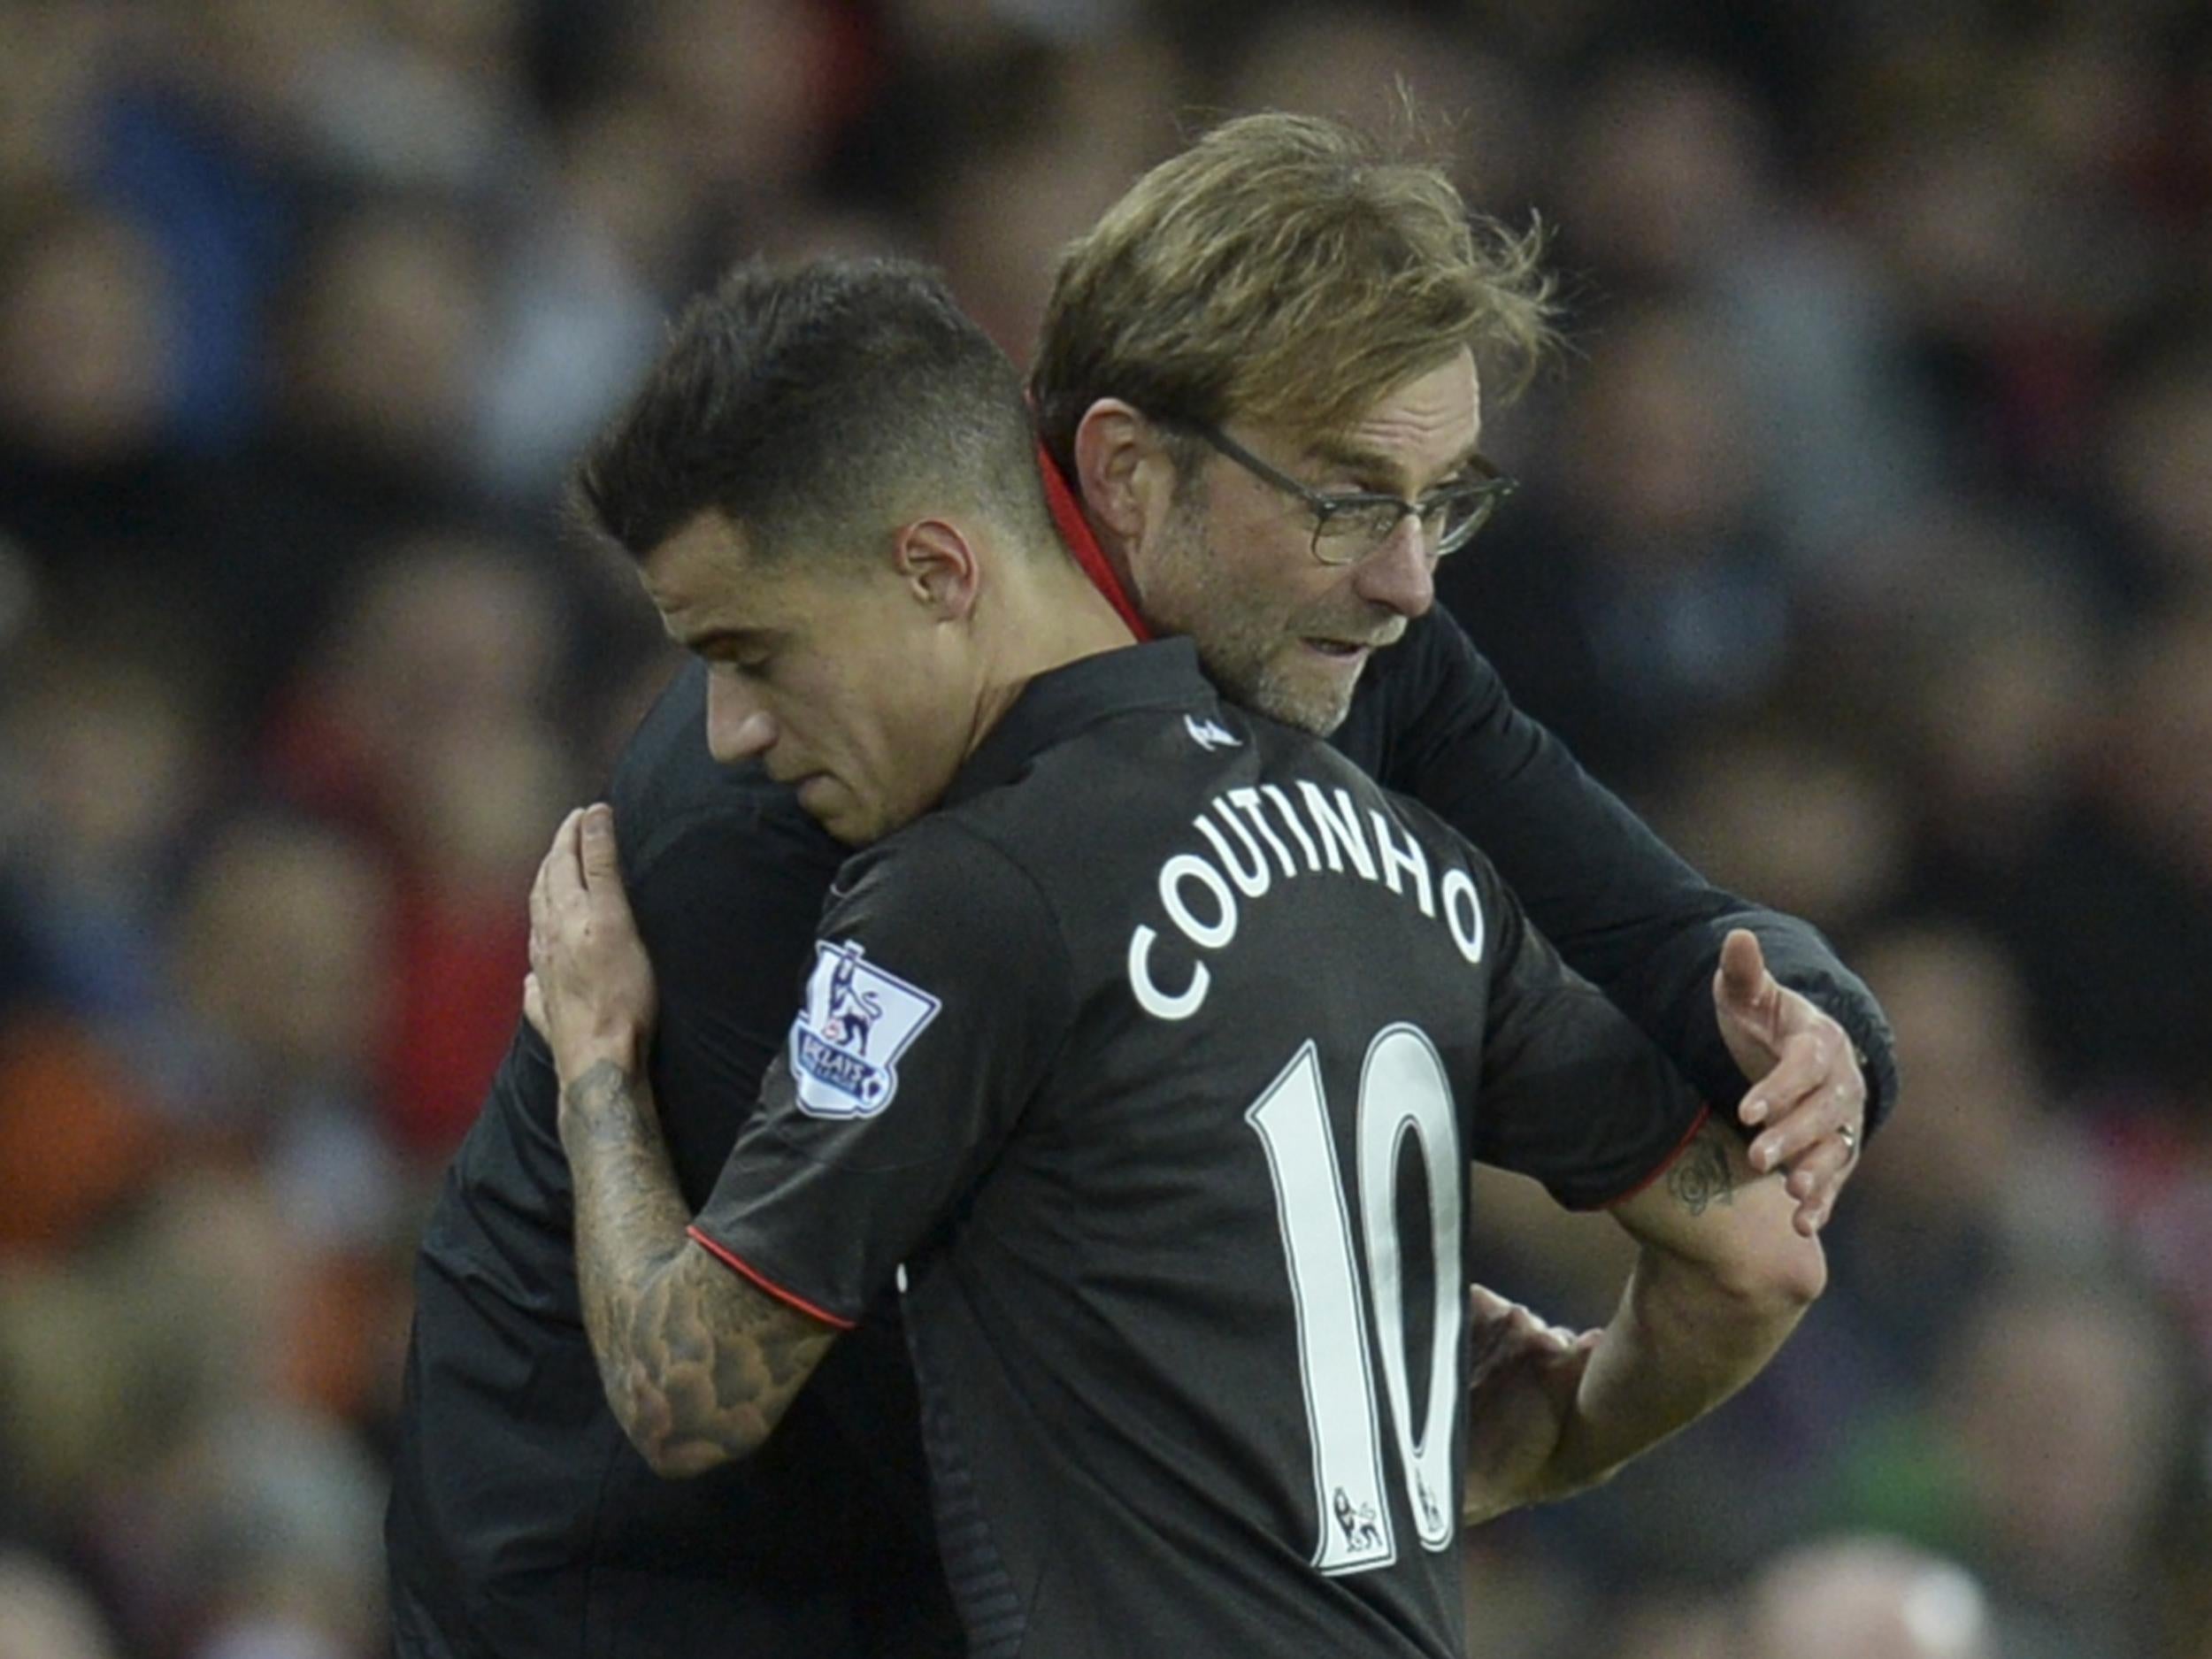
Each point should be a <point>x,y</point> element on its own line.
<point>698,1364</point>
<point>1700,1178</point>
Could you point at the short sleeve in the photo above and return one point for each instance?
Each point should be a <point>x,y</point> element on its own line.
<point>938,994</point>
<point>1573,1094</point>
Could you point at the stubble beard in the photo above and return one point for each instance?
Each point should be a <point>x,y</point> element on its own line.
<point>1251,658</point>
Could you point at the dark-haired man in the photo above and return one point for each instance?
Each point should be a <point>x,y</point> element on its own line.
<point>1119,1041</point>
<point>520,1509</point>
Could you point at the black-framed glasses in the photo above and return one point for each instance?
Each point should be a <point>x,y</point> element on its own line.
<point>1349,524</point>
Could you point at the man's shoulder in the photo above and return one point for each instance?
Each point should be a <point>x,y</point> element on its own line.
<point>1107,805</point>
<point>667,789</point>
<point>1413,692</point>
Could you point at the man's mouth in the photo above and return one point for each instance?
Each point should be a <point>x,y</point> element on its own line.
<point>1341,650</point>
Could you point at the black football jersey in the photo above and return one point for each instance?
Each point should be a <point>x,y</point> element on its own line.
<point>522,1521</point>
<point>1154,1062</point>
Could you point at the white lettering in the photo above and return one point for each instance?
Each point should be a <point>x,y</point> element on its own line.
<point>1251,883</point>
<point>1297,827</point>
<point>1458,888</point>
<point>1251,850</point>
<point>1150,998</point>
<point>1205,935</point>
<point>1248,802</point>
<point>1339,828</point>
<point>1407,859</point>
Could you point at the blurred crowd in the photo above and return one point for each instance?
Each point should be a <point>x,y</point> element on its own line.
<point>1866,544</point>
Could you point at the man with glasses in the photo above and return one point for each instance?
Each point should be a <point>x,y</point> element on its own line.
<point>1147,1043</point>
<point>1321,309</point>
<point>1259,390</point>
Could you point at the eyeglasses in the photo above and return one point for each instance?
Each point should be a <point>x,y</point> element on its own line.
<point>1349,524</point>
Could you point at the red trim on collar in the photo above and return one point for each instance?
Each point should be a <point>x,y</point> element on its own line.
<point>1075,530</point>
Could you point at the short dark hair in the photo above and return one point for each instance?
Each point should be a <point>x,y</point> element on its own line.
<point>812,404</point>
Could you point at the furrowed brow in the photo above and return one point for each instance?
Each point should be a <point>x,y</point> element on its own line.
<point>1386,472</point>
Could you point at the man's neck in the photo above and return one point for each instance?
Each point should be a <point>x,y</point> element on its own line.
<point>1101,556</point>
<point>1055,617</point>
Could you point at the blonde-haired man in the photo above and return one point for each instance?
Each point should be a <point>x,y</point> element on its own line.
<point>1259,391</point>
<point>1243,446</point>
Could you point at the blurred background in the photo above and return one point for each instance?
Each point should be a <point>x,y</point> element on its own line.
<point>1865,545</point>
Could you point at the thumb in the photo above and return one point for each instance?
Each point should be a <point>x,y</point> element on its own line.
<point>1743,982</point>
<point>601,860</point>
<point>1486,1304</point>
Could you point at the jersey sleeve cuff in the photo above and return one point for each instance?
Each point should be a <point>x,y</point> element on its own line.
<point>736,1264</point>
<point>1662,1166</point>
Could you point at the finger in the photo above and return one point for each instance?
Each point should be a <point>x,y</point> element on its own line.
<point>1803,1065</point>
<point>564,868</point>
<point>1808,1123</point>
<point>600,859</point>
<point>1486,1304</point>
<point>540,882</point>
<point>1815,1181</point>
<point>1743,982</point>
<point>533,1005</point>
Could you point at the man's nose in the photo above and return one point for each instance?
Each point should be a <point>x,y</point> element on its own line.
<point>738,727</point>
<point>1400,574</point>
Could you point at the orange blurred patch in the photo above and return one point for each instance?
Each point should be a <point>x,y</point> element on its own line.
<point>74,1139</point>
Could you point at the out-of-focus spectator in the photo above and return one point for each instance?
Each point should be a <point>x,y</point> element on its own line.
<point>113,761</point>
<point>1866,1598</point>
<point>86,338</point>
<point>2154,455</point>
<point>1865,535</point>
<point>1648,594</point>
<point>1805,823</point>
<point>424,725</point>
<point>2049,1454</point>
<point>1672,1626</point>
<point>1994,1172</point>
<point>2110,910</point>
<point>43,1615</point>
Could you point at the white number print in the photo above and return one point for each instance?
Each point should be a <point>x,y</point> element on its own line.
<point>1402,1092</point>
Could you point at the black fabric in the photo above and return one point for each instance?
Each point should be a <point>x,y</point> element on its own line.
<point>1102,1174</point>
<point>1433,720</point>
<point>570,1545</point>
<point>522,1521</point>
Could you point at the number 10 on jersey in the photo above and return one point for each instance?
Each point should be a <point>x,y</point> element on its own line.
<point>1402,1092</point>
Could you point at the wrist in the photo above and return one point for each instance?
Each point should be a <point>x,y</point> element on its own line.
<point>1577,1464</point>
<point>614,1048</point>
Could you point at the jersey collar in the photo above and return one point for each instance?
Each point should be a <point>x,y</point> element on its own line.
<point>1057,704</point>
<point>1075,530</point>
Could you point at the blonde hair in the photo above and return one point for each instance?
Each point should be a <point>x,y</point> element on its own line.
<point>1287,269</point>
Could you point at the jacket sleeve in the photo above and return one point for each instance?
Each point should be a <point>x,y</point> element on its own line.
<point>1622,908</point>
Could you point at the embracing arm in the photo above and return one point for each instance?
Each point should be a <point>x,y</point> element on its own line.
<point>699,1365</point>
<point>1629,914</point>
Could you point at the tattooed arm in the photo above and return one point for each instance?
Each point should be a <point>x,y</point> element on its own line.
<point>699,1365</point>
<point>1721,1277</point>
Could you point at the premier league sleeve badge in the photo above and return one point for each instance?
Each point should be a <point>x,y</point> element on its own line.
<point>857,1021</point>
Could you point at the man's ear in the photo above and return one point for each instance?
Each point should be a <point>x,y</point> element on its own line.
<point>1122,472</point>
<point>936,559</point>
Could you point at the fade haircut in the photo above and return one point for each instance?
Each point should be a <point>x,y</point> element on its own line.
<point>1286,269</point>
<point>817,405</point>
